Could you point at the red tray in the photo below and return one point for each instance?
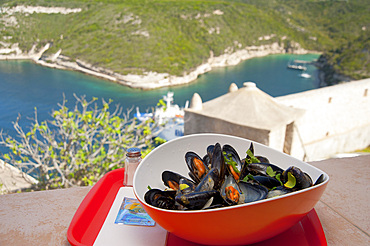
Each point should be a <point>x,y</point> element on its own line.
<point>91,214</point>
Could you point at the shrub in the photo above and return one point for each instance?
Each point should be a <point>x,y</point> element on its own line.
<point>78,146</point>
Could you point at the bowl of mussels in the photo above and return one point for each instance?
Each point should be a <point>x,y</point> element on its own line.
<point>223,190</point>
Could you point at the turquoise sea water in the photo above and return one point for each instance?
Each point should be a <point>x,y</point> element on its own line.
<point>24,86</point>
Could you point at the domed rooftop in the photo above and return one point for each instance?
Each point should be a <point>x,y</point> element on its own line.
<point>249,106</point>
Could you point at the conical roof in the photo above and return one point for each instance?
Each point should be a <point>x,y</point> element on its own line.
<point>251,107</point>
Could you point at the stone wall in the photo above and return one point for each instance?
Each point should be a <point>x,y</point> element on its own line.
<point>337,120</point>
<point>198,123</point>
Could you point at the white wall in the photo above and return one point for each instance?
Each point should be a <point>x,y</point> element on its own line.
<point>337,119</point>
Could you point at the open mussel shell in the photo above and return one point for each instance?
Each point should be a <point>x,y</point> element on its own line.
<point>218,162</point>
<point>207,160</point>
<point>278,191</point>
<point>172,179</point>
<point>320,179</point>
<point>209,181</point>
<point>261,168</point>
<point>210,150</point>
<point>251,192</point>
<point>161,199</point>
<point>241,192</point>
<point>230,153</point>
<point>302,179</point>
<point>267,181</point>
<point>251,148</point>
<point>196,200</point>
<point>196,166</point>
<point>262,159</point>
<point>230,191</point>
<point>186,186</point>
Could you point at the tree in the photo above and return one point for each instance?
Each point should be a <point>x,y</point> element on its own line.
<point>78,146</point>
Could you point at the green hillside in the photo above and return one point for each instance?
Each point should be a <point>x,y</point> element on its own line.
<point>176,36</point>
<point>351,60</point>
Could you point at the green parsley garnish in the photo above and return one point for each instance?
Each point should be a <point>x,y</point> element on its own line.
<point>291,181</point>
<point>278,178</point>
<point>270,172</point>
<point>248,177</point>
<point>252,158</point>
<point>231,162</point>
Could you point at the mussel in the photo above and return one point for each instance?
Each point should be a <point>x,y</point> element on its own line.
<point>278,191</point>
<point>186,186</point>
<point>230,191</point>
<point>252,192</point>
<point>250,152</point>
<point>209,154</point>
<point>172,180</point>
<point>295,179</point>
<point>196,166</point>
<point>218,162</point>
<point>221,178</point>
<point>267,181</point>
<point>232,161</point>
<point>320,179</point>
<point>241,192</point>
<point>196,200</point>
<point>264,169</point>
<point>161,199</point>
<point>209,181</point>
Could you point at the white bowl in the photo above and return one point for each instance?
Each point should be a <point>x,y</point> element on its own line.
<point>234,225</point>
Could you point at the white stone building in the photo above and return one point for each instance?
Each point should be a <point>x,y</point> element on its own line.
<point>311,125</point>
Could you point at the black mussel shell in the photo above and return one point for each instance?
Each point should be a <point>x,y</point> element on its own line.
<point>209,181</point>
<point>210,149</point>
<point>303,180</point>
<point>231,154</point>
<point>320,179</point>
<point>186,186</point>
<point>252,192</point>
<point>207,160</point>
<point>261,168</point>
<point>218,162</point>
<point>218,201</point>
<point>263,159</point>
<point>161,199</point>
<point>230,191</point>
<point>195,200</point>
<point>251,148</point>
<point>196,166</point>
<point>244,172</point>
<point>267,181</point>
<point>278,191</point>
<point>172,179</point>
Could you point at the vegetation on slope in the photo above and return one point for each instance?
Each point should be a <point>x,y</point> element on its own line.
<point>79,145</point>
<point>351,60</point>
<point>177,36</point>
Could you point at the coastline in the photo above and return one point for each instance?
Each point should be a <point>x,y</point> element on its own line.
<point>150,80</point>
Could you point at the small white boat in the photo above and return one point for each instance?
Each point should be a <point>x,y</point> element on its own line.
<point>305,75</point>
<point>170,115</point>
<point>168,111</point>
<point>297,66</point>
<point>142,116</point>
